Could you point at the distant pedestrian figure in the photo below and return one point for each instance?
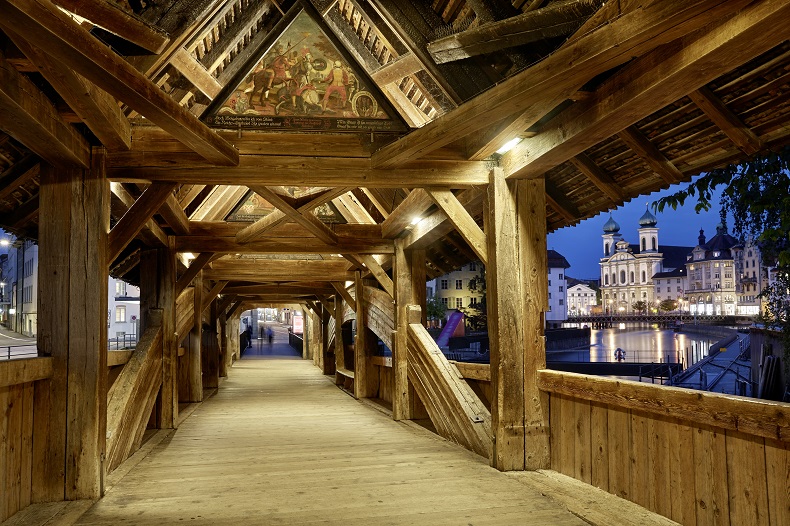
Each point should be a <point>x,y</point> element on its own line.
<point>270,335</point>
<point>619,354</point>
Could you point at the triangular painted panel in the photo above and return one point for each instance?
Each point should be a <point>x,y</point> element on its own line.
<point>303,82</point>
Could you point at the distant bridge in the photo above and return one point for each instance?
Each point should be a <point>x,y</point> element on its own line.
<point>666,319</point>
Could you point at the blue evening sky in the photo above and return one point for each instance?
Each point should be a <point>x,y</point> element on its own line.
<point>582,246</point>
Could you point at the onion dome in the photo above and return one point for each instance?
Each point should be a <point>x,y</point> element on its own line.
<point>611,226</point>
<point>647,219</point>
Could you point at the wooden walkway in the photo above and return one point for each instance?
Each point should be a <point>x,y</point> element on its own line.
<point>278,444</point>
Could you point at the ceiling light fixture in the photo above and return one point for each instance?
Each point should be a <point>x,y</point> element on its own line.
<point>508,145</point>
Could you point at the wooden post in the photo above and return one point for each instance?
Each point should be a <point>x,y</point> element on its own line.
<point>195,364</point>
<point>209,350</point>
<point>70,409</point>
<point>224,347</point>
<point>365,373</point>
<point>340,355</point>
<point>157,298</point>
<point>531,195</point>
<point>401,397</point>
<point>419,279</point>
<point>516,283</point>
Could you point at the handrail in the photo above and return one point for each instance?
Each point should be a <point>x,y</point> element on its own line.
<point>756,417</point>
<point>26,370</point>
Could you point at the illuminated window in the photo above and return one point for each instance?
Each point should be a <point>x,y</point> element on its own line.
<point>120,314</point>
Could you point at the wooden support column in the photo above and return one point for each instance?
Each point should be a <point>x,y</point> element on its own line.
<point>70,409</point>
<point>157,298</point>
<point>517,286</point>
<point>365,373</point>
<point>224,355</point>
<point>209,350</point>
<point>194,378</point>
<point>402,395</point>
<point>340,355</point>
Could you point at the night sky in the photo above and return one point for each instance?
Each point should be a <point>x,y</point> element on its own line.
<point>582,246</point>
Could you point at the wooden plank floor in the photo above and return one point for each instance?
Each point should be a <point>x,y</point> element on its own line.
<point>278,444</point>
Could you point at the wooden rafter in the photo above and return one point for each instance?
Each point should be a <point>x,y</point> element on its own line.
<point>136,217</point>
<point>378,272</point>
<point>649,83</point>
<point>198,264</point>
<point>410,209</point>
<point>98,110</point>
<point>126,25</point>
<point>462,221</point>
<point>343,291</point>
<point>529,95</point>
<point>649,153</point>
<point>27,115</point>
<point>195,73</point>
<point>729,123</point>
<point>561,204</point>
<point>256,230</point>
<point>306,219</point>
<point>48,28</point>
<point>557,19</point>
<point>151,233</point>
<point>279,270</point>
<point>438,224</point>
<point>602,180</point>
<point>213,293</point>
<point>18,174</point>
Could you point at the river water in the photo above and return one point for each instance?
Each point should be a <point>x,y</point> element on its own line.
<point>641,344</point>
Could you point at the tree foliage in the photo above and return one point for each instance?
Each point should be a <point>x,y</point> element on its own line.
<point>757,194</point>
<point>640,306</point>
<point>668,305</point>
<point>435,309</point>
<point>477,315</point>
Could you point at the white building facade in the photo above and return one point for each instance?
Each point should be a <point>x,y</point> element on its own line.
<point>558,289</point>
<point>581,299</point>
<point>123,312</point>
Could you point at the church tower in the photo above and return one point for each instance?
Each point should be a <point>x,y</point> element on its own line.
<point>648,233</point>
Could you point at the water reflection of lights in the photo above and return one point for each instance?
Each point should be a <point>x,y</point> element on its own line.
<point>621,326</point>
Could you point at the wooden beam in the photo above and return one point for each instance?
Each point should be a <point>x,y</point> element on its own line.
<point>306,219</point>
<point>291,170</point>
<point>555,20</point>
<point>151,234</point>
<point>413,207</point>
<point>98,110</point>
<point>642,147</point>
<point>462,221</point>
<point>729,123</point>
<point>279,270</point>
<point>650,83</point>
<point>135,218</point>
<point>198,264</point>
<point>126,25</point>
<point>438,224</point>
<point>562,205</point>
<point>194,72</point>
<point>395,70</point>
<point>27,115</point>
<point>381,276</point>
<point>46,27</point>
<point>17,372</point>
<point>255,231</point>
<point>602,180</point>
<point>236,306</point>
<point>19,174</point>
<point>343,291</point>
<point>532,93</point>
<point>172,212</point>
<point>213,293</point>
<point>346,245</point>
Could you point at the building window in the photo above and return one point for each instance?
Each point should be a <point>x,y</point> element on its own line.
<point>606,249</point>
<point>606,279</point>
<point>444,302</point>
<point>459,284</point>
<point>632,277</point>
<point>120,314</point>
<point>120,288</point>
<point>644,276</point>
<point>655,245</point>
<point>560,288</point>
<point>561,276</point>
<point>644,244</point>
<point>561,302</point>
<point>472,302</point>
<point>444,284</point>
<point>473,266</point>
<point>549,295</point>
<point>622,277</point>
<point>459,303</point>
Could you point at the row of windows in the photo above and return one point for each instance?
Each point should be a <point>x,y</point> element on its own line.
<point>459,302</point>
<point>27,294</point>
<point>459,284</point>
<point>658,281</point>
<point>669,289</point>
<point>29,268</point>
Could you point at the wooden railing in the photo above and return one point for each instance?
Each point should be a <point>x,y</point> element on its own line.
<point>695,457</point>
<point>18,381</point>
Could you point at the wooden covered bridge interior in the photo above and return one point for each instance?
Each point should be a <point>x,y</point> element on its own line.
<point>333,156</point>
